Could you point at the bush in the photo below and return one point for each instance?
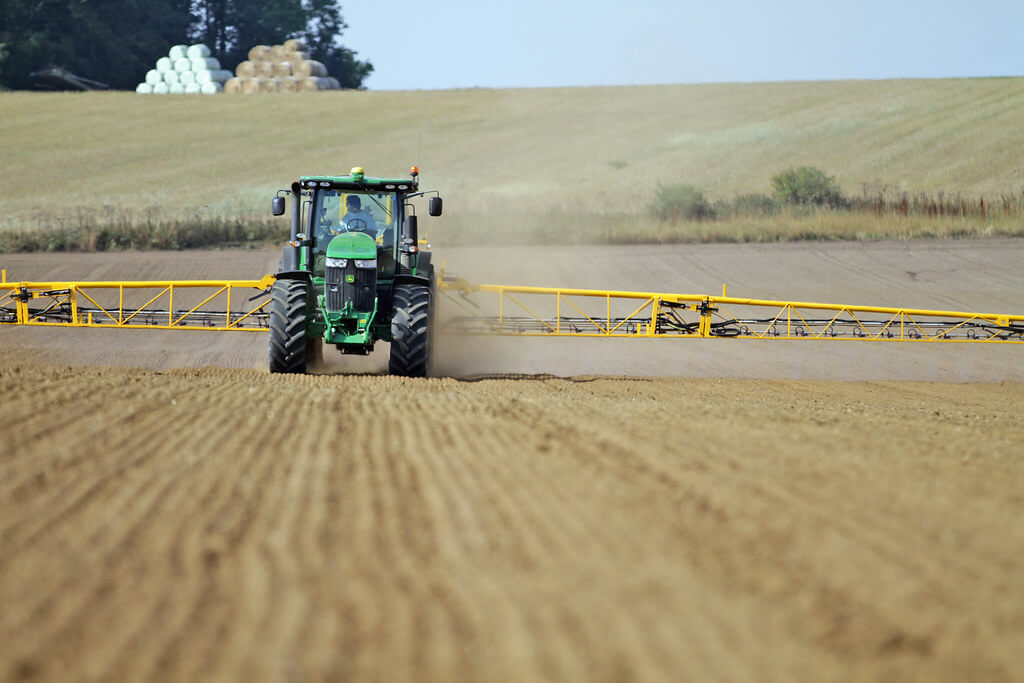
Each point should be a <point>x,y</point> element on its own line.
<point>807,186</point>
<point>681,203</point>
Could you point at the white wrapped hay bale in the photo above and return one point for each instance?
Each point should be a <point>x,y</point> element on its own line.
<point>172,77</point>
<point>205,64</point>
<point>246,69</point>
<point>259,53</point>
<point>183,64</point>
<point>282,69</point>
<point>186,77</point>
<point>178,52</point>
<point>153,77</point>
<point>193,89</point>
<point>233,86</point>
<point>219,76</point>
<point>197,51</point>
<point>164,64</point>
<point>161,89</point>
<point>211,88</point>
<point>176,89</point>
<point>144,88</point>
<point>334,83</point>
<point>294,45</point>
<point>309,68</point>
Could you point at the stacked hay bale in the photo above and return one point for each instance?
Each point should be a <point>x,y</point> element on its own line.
<point>187,69</point>
<point>280,68</point>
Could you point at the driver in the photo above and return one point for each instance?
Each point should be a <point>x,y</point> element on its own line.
<point>356,219</point>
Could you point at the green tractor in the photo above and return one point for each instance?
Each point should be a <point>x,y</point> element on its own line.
<point>352,273</point>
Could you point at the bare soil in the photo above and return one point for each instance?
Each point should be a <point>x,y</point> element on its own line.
<point>220,523</point>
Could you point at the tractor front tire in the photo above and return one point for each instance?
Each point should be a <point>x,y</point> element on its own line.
<point>288,344</point>
<point>411,344</point>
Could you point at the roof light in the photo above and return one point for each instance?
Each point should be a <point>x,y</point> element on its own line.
<point>357,173</point>
<point>415,171</point>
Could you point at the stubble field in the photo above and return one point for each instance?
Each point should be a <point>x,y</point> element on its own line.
<point>161,520</point>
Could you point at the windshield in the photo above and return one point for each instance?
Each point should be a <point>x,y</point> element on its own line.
<point>338,211</point>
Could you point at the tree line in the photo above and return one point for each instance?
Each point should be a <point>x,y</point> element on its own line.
<point>117,41</point>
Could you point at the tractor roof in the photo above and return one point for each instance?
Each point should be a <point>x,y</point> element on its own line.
<point>356,180</point>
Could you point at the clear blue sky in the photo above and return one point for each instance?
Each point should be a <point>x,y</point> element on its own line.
<point>530,43</point>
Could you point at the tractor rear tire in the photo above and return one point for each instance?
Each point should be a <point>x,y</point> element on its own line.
<point>411,343</point>
<point>288,343</point>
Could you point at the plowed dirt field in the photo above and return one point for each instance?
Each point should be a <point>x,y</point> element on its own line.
<point>166,523</point>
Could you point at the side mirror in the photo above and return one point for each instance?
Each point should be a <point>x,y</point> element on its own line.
<point>412,236</point>
<point>277,206</point>
<point>434,206</point>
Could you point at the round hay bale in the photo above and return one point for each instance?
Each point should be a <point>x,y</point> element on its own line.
<point>219,76</point>
<point>311,84</point>
<point>233,86</point>
<point>186,77</point>
<point>308,68</point>
<point>270,85</point>
<point>193,89</point>
<point>176,89</point>
<point>183,64</point>
<point>297,56</point>
<point>264,69</point>
<point>289,84</point>
<point>171,77</point>
<point>282,69</point>
<point>278,53</point>
<point>144,88</point>
<point>250,85</point>
<point>178,52</point>
<point>205,64</point>
<point>161,89</point>
<point>164,64</point>
<point>335,84</point>
<point>259,53</point>
<point>211,88</point>
<point>246,69</point>
<point>153,77</point>
<point>294,45</point>
<point>197,51</point>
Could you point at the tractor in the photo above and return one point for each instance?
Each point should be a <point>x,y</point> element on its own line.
<point>352,273</point>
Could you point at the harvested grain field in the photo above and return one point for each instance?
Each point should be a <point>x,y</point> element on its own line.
<point>168,522</point>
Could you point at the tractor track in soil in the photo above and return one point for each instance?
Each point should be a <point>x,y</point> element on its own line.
<point>189,523</point>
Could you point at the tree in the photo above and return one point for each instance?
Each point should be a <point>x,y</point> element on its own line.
<point>807,185</point>
<point>232,27</point>
<point>115,41</point>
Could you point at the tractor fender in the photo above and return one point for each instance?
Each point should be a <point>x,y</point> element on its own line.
<point>303,275</point>
<point>406,278</point>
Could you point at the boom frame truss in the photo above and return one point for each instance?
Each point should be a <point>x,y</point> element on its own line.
<point>76,304</point>
<point>659,315</point>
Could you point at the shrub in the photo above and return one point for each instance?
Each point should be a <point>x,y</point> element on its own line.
<point>807,186</point>
<point>681,202</point>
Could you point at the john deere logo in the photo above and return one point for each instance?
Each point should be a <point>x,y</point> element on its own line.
<point>350,279</point>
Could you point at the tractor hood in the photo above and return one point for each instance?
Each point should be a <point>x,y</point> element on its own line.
<point>352,245</point>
